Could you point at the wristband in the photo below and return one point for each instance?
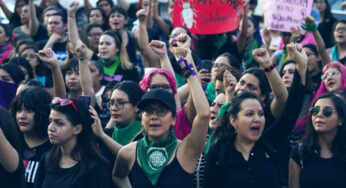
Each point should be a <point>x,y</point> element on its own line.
<point>188,67</point>
<point>309,28</point>
<point>188,73</point>
<point>270,68</point>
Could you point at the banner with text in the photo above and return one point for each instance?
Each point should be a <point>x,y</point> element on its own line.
<point>207,16</point>
<point>281,15</point>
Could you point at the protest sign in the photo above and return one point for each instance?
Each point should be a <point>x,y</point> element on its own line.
<point>281,15</point>
<point>207,16</point>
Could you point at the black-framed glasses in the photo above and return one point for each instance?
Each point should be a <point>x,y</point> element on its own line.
<point>31,56</point>
<point>119,105</point>
<point>94,34</point>
<point>159,110</point>
<point>331,73</point>
<point>327,111</point>
<point>64,102</point>
<point>160,86</point>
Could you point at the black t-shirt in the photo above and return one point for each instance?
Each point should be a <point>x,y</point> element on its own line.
<point>318,172</point>
<point>131,49</point>
<point>14,179</point>
<point>31,160</point>
<point>96,175</point>
<point>58,48</point>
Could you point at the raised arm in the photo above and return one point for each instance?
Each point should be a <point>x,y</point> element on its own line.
<point>164,27</point>
<point>7,11</point>
<point>87,6</point>
<point>49,58</point>
<point>143,40</point>
<point>33,21</point>
<point>242,31</point>
<point>9,158</point>
<point>279,90</point>
<point>84,55</point>
<point>160,49</point>
<point>72,25</point>
<point>124,4</point>
<point>111,144</point>
<point>229,83</point>
<point>193,145</point>
<point>298,54</point>
<point>293,175</point>
<point>321,47</point>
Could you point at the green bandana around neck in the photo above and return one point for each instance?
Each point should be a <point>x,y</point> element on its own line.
<point>210,91</point>
<point>153,157</point>
<point>124,135</point>
<point>223,110</point>
<point>110,67</point>
<point>210,142</point>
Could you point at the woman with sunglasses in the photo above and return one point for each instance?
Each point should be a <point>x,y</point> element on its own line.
<point>74,160</point>
<point>31,110</point>
<point>159,159</point>
<point>11,167</point>
<point>319,161</point>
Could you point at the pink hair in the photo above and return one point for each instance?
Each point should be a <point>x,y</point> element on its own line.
<point>301,123</point>
<point>145,83</point>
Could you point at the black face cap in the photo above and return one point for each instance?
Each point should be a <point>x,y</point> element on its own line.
<point>159,95</point>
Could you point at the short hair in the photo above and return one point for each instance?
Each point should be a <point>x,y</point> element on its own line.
<point>62,15</point>
<point>92,25</point>
<point>120,10</point>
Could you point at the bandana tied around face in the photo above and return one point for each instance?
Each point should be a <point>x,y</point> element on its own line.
<point>153,157</point>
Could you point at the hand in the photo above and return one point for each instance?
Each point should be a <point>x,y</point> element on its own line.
<point>297,52</point>
<point>48,58</point>
<point>81,51</point>
<point>96,126</point>
<point>182,53</point>
<point>183,40</point>
<point>229,82</point>
<point>262,57</point>
<point>309,20</point>
<point>204,76</point>
<point>295,34</point>
<point>267,36</point>
<point>158,47</point>
<point>72,8</point>
<point>142,15</point>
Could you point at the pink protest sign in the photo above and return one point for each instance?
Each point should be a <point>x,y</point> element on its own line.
<point>207,16</point>
<point>281,15</point>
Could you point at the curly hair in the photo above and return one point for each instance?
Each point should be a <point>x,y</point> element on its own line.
<point>338,147</point>
<point>37,100</point>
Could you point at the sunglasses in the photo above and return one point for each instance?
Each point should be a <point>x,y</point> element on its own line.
<point>331,73</point>
<point>160,86</point>
<point>160,111</point>
<point>327,111</point>
<point>64,102</point>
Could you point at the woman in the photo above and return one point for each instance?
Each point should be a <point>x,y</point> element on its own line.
<point>13,17</point>
<point>11,168</point>
<point>338,51</point>
<point>31,110</point>
<point>319,161</point>
<point>326,22</point>
<point>97,15</point>
<point>74,160</point>
<point>70,72</point>
<point>158,109</point>
<point>5,42</point>
<point>314,64</point>
<point>94,32</point>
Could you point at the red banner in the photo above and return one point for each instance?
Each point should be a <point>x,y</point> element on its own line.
<point>207,16</point>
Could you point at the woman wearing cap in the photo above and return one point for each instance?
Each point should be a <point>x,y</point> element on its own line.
<point>159,159</point>
<point>74,159</point>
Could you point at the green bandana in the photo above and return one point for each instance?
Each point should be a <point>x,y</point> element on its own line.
<point>223,110</point>
<point>284,55</point>
<point>124,135</point>
<point>210,142</point>
<point>110,67</point>
<point>210,91</point>
<point>153,157</point>
<point>248,57</point>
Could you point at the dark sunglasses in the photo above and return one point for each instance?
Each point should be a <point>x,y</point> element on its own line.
<point>160,111</point>
<point>64,102</point>
<point>160,86</point>
<point>327,111</point>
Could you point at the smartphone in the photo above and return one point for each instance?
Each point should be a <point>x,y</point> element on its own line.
<point>207,64</point>
<point>85,100</point>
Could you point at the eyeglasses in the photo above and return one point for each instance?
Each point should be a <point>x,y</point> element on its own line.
<point>119,105</point>
<point>64,102</point>
<point>94,34</point>
<point>331,73</point>
<point>327,111</point>
<point>160,86</point>
<point>340,29</point>
<point>31,56</point>
<point>160,111</point>
<point>220,65</point>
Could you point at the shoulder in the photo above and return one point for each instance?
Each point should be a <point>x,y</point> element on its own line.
<point>127,153</point>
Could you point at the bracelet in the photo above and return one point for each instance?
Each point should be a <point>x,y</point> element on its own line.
<point>309,28</point>
<point>188,73</point>
<point>270,68</point>
<point>188,67</point>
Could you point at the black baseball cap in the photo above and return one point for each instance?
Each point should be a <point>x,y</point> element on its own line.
<point>160,95</point>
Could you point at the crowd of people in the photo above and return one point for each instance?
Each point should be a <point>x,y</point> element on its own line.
<point>128,100</point>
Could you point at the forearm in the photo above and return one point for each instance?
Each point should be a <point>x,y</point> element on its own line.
<point>124,4</point>
<point>7,12</point>
<point>73,30</point>
<point>33,21</point>
<point>242,33</point>
<point>86,80</point>
<point>50,43</point>
<point>321,48</point>
<point>278,88</point>
<point>163,26</point>
<point>143,44</point>
<point>87,6</point>
<point>9,157</point>
<point>111,144</point>
<point>58,82</point>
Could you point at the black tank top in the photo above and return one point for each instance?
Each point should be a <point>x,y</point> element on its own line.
<point>172,176</point>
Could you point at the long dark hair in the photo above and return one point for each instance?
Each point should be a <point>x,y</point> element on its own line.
<point>86,147</point>
<point>10,129</point>
<point>310,139</point>
<point>262,80</point>
<point>226,131</point>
